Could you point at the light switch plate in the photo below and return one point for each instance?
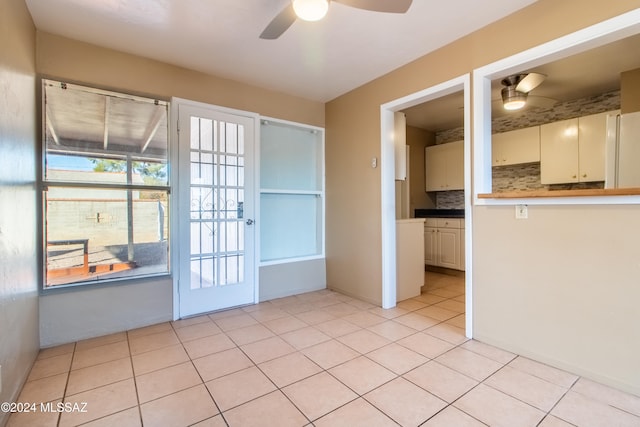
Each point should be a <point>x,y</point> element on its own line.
<point>522,212</point>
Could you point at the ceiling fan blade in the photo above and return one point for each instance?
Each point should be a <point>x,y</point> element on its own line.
<point>389,6</point>
<point>530,82</point>
<point>541,101</point>
<point>279,24</point>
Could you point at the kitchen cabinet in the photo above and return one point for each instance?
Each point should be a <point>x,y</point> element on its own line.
<point>430,243</point>
<point>444,242</point>
<point>592,138</point>
<point>444,167</point>
<point>516,147</point>
<point>409,258</point>
<point>573,150</point>
<point>400,145</point>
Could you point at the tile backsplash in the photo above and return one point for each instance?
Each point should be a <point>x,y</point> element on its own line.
<point>450,199</point>
<point>561,111</point>
<point>527,176</point>
<point>511,178</point>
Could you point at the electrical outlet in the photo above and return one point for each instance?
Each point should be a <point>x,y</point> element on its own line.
<point>522,212</point>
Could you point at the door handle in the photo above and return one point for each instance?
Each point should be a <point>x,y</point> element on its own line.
<point>249,222</point>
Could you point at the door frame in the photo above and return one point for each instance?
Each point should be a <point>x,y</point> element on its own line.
<point>175,179</point>
<point>387,159</point>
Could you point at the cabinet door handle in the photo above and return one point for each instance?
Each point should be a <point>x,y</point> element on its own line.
<point>573,176</point>
<point>584,176</point>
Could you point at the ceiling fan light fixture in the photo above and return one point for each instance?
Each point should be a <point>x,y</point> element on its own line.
<point>513,99</point>
<point>310,10</point>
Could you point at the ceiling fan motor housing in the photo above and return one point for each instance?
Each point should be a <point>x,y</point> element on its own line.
<point>510,96</point>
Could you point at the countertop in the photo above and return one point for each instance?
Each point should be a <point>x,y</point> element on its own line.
<point>409,220</point>
<point>561,193</point>
<point>439,213</point>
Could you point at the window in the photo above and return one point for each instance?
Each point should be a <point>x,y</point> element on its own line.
<point>292,191</point>
<point>570,49</point>
<point>105,185</point>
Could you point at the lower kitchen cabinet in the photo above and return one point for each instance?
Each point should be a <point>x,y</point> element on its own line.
<point>444,242</point>
<point>430,245</point>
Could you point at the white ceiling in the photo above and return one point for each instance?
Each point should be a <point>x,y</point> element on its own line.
<point>314,60</point>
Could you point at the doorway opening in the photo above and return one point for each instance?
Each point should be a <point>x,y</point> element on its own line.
<point>388,187</point>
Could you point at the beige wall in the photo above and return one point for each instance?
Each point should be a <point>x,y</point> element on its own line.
<point>71,60</point>
<point>418,139</point>
<point>562,287</point>
<point>18,247</point>
<point>586,259</point>
<point>630,91</point>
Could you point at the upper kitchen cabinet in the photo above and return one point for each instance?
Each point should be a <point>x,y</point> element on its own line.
<point>559,152</point>
<point>516,147</point>
<point>444,167</point>
<point>573,150</point>
<point>592,139</point>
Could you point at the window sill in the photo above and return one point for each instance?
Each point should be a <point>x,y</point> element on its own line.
<point>291,260</point>
<point>97,284</point>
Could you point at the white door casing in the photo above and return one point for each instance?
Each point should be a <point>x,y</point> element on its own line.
<point>387,175</point>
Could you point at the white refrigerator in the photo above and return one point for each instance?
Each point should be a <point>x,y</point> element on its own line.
<point>622,168</point>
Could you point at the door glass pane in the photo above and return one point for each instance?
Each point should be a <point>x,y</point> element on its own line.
<point>202,168</point>
<point>231,146</point>
<point>208,272</point>
<point>202,273</point>
<point>217,225</point>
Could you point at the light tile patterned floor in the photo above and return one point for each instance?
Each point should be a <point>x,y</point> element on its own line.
<point>320,359</point>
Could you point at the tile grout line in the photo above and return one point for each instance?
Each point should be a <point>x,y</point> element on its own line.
<point>135,381</point>
<point>278,388</point>
<point>203,383</point>
<point>310,304</point>
<point>260,370</point>
<point>66,385</point>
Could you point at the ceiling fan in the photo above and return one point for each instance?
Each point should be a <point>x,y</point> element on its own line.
<point>517,87</point>
<point>314,10</point>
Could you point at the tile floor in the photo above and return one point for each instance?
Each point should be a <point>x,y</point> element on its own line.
<point>318,359</point>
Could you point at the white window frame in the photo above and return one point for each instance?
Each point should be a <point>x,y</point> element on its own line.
<point>45,184</point>
<point>319,193</point>
<point>600,34</point>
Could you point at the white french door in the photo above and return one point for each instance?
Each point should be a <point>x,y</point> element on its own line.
<point>216,210</point>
